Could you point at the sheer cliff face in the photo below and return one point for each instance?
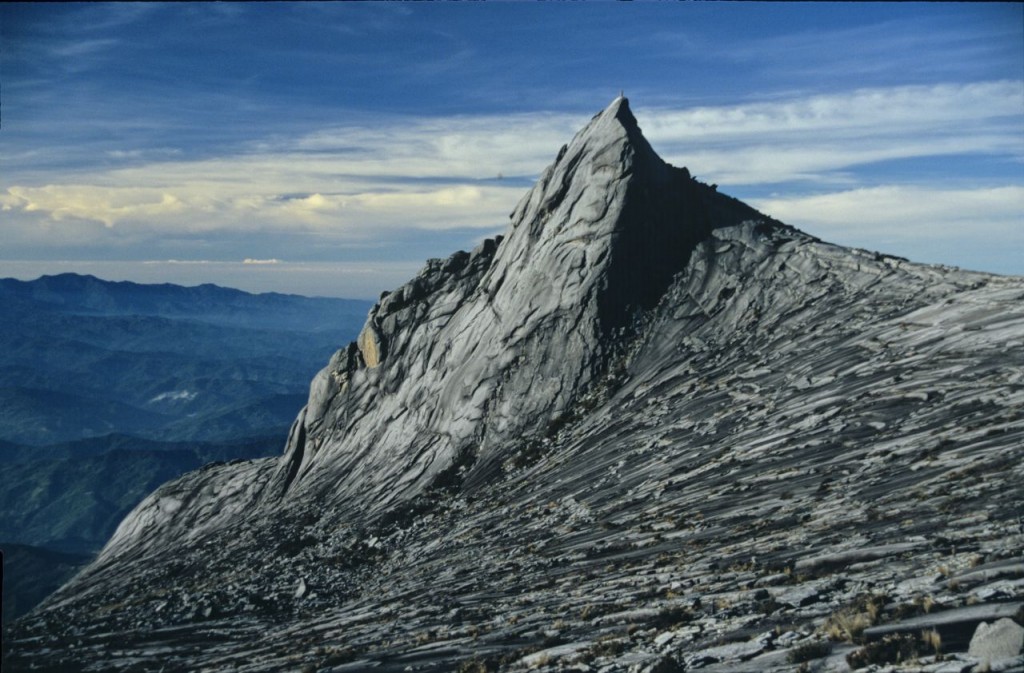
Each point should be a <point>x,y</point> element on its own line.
<point>648,427</point>
<point>485,350</point>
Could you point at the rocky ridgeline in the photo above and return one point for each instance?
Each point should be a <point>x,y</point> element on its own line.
<point>649,430</point>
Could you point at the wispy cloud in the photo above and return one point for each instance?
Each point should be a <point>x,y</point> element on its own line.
<point>885,211</point>
<point>923,223</point>
<point>914,45</point>
<point>83,48</point>
<point>808,138</point>
<point>155,153</point>
<point>361,183</point>
<point>104,17</point>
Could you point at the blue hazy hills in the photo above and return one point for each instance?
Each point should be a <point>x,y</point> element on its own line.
<point>82,357</point>
<point>109,389</point>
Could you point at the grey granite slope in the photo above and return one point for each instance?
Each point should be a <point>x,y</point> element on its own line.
<point>486,348</point>
<point>649,429</point>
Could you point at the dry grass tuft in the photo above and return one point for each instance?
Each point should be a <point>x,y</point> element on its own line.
<point>932,638</point>
<point>847,624</point>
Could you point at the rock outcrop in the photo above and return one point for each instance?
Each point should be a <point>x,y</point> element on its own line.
<point>648,429</point>
<point>998,641</point>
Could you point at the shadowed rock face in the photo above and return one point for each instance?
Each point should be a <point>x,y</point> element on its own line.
<point>648,427</point>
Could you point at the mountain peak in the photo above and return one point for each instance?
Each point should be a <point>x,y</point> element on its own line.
<point>619,108</point>
<point>597,239</point>
<point>638,217</point>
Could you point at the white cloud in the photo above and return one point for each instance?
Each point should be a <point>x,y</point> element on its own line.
<point>894,208</point>
<point>154,153</point>
<point>107,205</point>
<point>175,396</point>
<point>849,113</point>
<point>811,137</point>
<point>246,195</point>
<point>465,147</point>
<point>979,228</point>
<point>360,183</point>
<point>462,206</point>
<point>77,50</point>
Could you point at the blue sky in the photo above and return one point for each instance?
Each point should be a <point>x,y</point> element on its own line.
<point>331,148</point>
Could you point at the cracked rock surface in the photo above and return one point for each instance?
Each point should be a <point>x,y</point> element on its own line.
<point>649,429</point>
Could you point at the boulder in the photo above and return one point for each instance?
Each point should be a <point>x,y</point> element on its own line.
<point>1003,639</point>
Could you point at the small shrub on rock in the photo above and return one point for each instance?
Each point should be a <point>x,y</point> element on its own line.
<point>809,652</point>
<point>847,624</point>
<point>892,649</point>
<point>671,616</point>
<point>478,666</point>
<point>608,647</point>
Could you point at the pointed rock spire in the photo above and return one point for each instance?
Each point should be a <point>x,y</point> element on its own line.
<point>488,348</point>
<point>612,206</point>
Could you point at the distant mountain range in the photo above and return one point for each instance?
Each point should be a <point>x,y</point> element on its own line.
<point>70,497</point>
<point>109,389</point>
<point>158,361</point>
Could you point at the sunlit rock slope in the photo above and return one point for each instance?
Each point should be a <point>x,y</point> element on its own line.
<point>649,429</point>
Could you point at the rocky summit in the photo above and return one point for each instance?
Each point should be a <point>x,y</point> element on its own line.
<point>648,429</point>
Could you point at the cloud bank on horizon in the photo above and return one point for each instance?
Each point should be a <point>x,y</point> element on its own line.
<point>331,148</point>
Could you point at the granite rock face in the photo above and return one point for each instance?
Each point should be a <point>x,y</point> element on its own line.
<point>1003,639</point>
<point>648,429</point>
<point>485,348</point>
